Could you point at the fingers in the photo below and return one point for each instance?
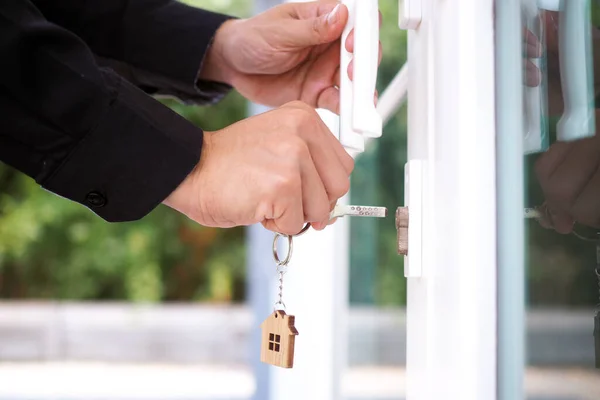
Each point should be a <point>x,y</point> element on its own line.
<point>308,10</point>
<point>325,28</point>
<point>532,74</point>
<point>332,163</point>
<point>318,89</point>
<point>344,158</point>
<point>564,175</point>
<point>287,214</point>
<point>559,221</point>
<point>315,199</point>
<point>329,99</point>
<point>326,166</point>
<point>533,47</point>
<point>319,226</point>
<point>351,65</point>
<point>349,44</point>
<point>569,175</point>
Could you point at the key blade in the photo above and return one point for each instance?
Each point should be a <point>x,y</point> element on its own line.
<point>358,211</point>
<point>531,213</point>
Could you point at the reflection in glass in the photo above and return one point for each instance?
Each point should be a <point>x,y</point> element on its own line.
<point>563,179</point>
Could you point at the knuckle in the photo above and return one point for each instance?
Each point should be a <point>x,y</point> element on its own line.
<point>294,148</point>
<point>284,183</point>
<point>296,119</point>
<point>340,188</point>
<point>320,211</point>
<point>350,163</point>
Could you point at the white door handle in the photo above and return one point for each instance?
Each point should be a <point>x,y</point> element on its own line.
<point>535,138</point>
<point>578,120</point>
<point>358,115</point>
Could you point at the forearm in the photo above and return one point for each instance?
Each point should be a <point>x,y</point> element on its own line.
<point>159,45</point>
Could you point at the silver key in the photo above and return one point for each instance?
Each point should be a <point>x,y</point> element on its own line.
<point>531,213</point>
<point>358,211</point>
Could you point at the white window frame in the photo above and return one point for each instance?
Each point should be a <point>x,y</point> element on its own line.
<point>452,298</point>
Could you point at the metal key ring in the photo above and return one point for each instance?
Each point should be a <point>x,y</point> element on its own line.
<point>306,227</point>
<point>288,257</point>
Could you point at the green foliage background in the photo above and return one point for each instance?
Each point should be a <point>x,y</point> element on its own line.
<point>51,248</point>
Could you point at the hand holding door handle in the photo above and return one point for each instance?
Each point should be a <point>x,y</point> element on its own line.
<point>570,52</point>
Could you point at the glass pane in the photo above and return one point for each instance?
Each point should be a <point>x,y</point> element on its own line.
<point>560,74</point>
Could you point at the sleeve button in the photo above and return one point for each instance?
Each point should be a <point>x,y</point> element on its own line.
<point>95,199</point>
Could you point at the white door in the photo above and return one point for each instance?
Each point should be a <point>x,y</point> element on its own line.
<point>451,181</point>
<point>497,311</point>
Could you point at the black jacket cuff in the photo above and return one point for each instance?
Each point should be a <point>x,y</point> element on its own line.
<point>131,161</point>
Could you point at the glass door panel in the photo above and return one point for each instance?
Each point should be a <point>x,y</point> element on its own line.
<point>548,74</point>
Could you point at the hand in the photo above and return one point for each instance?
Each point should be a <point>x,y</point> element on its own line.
<point>533,49</point>
<point>548,27</point>
<point>290,52</point>
<point>288,171</point>
<point>569,174</point>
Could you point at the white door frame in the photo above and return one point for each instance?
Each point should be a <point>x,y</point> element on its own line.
<point>451,306</point>
<point>511,229</point>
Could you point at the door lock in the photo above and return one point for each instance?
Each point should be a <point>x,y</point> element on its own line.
<point>402,229</point>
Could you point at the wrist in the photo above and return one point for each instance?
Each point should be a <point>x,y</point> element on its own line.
<point>186,198</point>
<point>215,67</point>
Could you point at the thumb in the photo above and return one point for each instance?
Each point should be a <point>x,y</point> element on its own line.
<point>324,28</point>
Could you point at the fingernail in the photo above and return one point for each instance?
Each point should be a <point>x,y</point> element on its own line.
<point>333,16</point>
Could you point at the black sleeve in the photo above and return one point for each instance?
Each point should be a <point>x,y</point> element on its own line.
<point>159,45</point>
<point>81,131</point>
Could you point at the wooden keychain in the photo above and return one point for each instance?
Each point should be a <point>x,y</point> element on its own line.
<point>278,331</point>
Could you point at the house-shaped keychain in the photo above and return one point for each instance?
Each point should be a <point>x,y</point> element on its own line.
<point>278,337</point>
